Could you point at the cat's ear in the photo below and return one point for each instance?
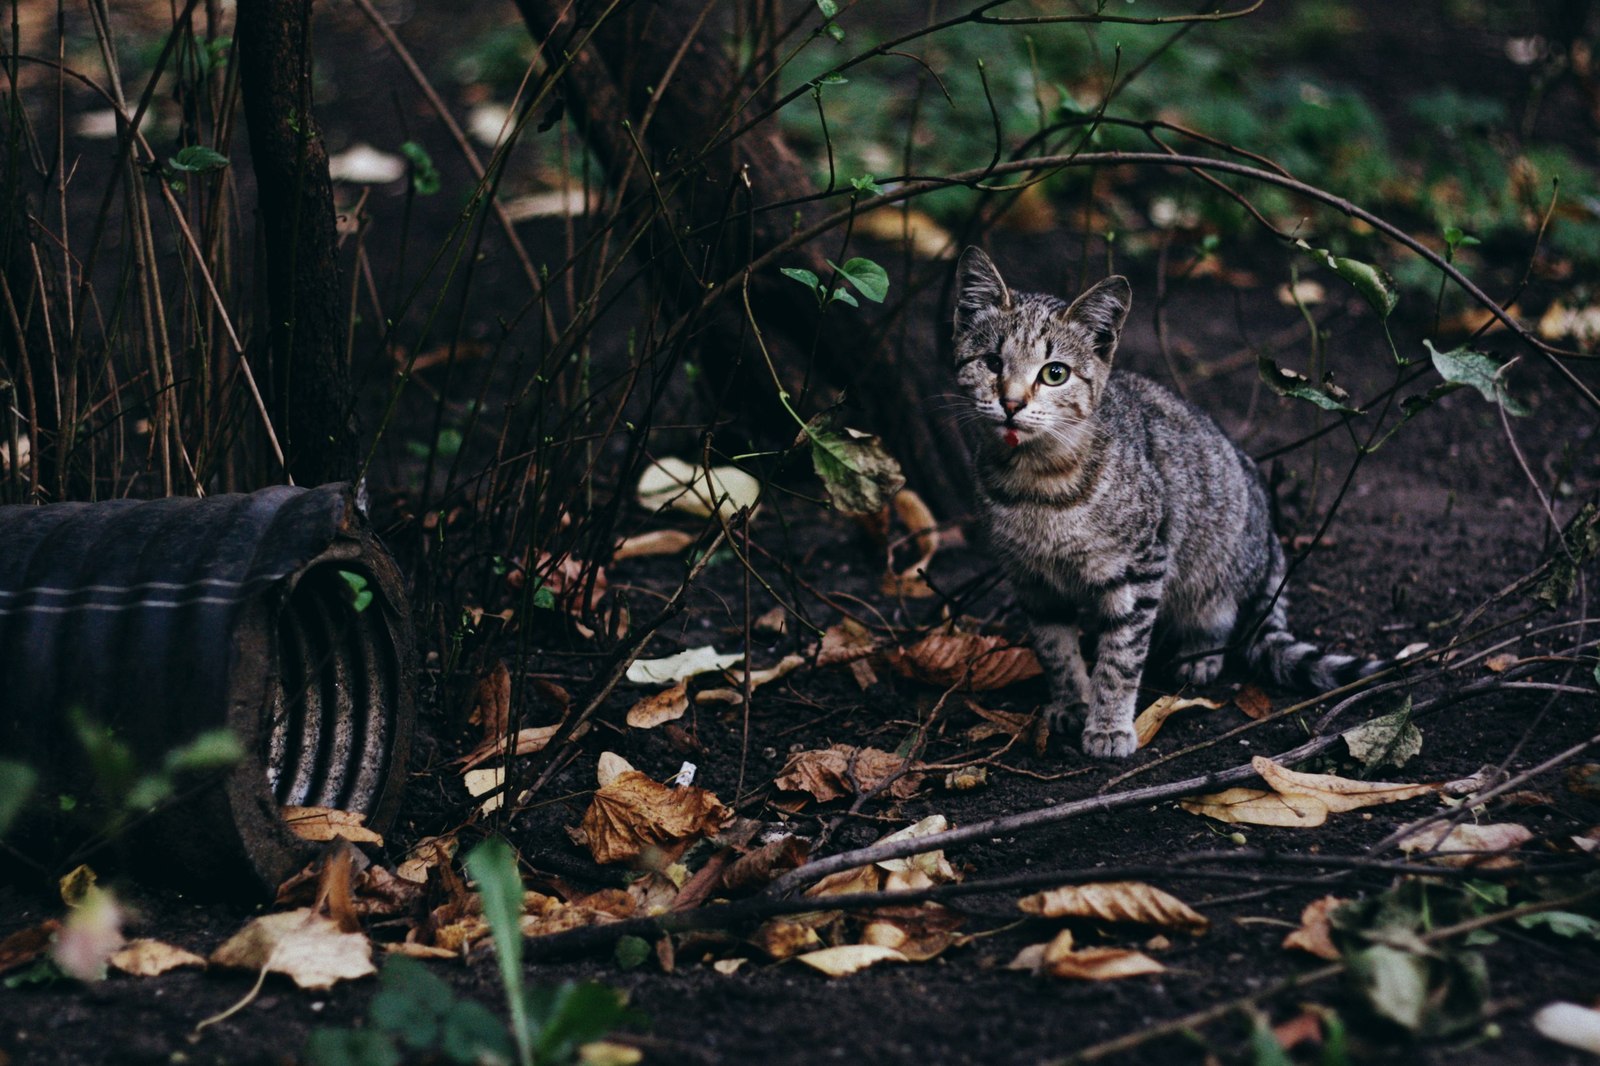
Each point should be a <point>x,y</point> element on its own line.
<point>1102,311</point>
<point>979,286</point>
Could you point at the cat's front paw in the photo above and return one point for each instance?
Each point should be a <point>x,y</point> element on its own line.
<point>1114,743</point>
<point>1063,717</point>
<point>1200,671</point>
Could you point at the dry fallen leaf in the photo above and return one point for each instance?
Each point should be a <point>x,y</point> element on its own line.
<point>26,945</point>
<point>1499,664</point>
<point>679,667</point>
<point>480,781</point>
<point>1117,901</point>
<point>634,814</point>
<point>655,542</point>
<point>1059,958</point>
<point>424,855</point>
<point>609,767</point>
<point>932,864</point>
<point>775,622</point>
<point>1468,845</point>
<point>847,882</point>
<point>999,723</point>
<point>976,662</point>
<point>781,938</point>
<point>847,959</point>
<point>1336,793</point>
<point>307,947</point>
<point>325,823</point>
<point>491,701</point>
<point>674,483</point>
<point>665,706</point>
<point>845,642</point>
<point>1151,719</point>
<point>1253,701</point>
<point>527,741</point>
<point>843,770</point>
<point>728,967</point>
<point>1254,806</point>
<point>1315,935</point>
<point>148,958</point>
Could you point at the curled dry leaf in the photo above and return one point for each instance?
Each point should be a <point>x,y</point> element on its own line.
<point>634,814</point>
<point>847,959</point>
<point>844,643</point>
<point>491,701</point>
<point>1468,845</point>
<point>1006,724</point>
<point>1059,958</point>
<point>665,706</point>
<point>976,662</point>
<point>848,882</point>
<point>148,958</point>
<point>923,534</point>
<point>728,967</point>
<point>782,938</point>
<point>842,770</point>
<point>761,866</point>
<point>679,667</point>
<point>654,542</point>
<point>424,855</point>
<point>28,944</point>
<point>1153,717</point>
<point>528,740</point>
<point>1315,935</point>
<point>1117,901</point>
<point>1254,806</point>
<point>674,483</point>
<point>308,948</point>
<point>933,864</point>
<point>326,823</point>
<point>1499,664</point>
<point>1336,793</point>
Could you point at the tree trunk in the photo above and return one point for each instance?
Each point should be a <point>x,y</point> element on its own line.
<point>632,64</point>
<point>310,392</point>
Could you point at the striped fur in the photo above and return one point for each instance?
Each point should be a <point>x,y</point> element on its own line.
<point>1119,512</point>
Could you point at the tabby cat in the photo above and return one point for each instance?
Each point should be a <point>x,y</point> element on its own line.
<point>1116,509</point>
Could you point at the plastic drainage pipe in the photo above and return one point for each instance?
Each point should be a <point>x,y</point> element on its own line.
<point>139,626</point>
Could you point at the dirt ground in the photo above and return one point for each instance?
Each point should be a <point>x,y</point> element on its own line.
<point>1433,524</point>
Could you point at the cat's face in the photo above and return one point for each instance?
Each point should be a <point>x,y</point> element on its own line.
<point>1032,367</point>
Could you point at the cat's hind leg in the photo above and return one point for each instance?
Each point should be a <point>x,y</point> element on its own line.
<point>1202,640</point>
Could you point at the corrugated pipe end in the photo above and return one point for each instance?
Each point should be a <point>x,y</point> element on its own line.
<point>277,615</point>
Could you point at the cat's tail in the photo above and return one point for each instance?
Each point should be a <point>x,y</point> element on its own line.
<point>1293,663</point>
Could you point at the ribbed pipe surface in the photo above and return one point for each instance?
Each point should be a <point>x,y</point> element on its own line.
<point>157,621</point>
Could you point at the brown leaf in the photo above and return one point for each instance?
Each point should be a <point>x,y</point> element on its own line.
<point>326,823</point>
<point>1253,701</point>
<point>149,958</point>
<point>665,706</point>
<point>1469,845</point>
<point>976,662</point>
<point>28,944</point>
<point>527,741</point>
<point>845,642</point>
<point>1117,901</point>
<point>1006,724</point>
<point>781,938</point>
<point>1315,935</point>
<point>307,947</point>
<point>1499,664</point>
<point>843,770</point>
<point>847,882</point>
<point>1303,1028</point>
<point>847,959</point>
<point>1254,806</point>
<point>767,862</point>
<point>1059,958</point>
<point>491,701</point>
<point>654,542</point>
<point>636,814</point>
<point>775,622</point>
<point>1337,793</point>
<point>1153,717</point>
<point>426,854</point>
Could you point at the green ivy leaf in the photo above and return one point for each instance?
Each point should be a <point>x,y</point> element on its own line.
<point>1463,366</point>
<point>1372,282</point>
<point>357,594</point>
<point>424,175</point>
<point>1562,923</point>
<point>197,159</point>
<point>1291,383</point>
<point>1390,739</point>
<point>870,279</point>
<point>859,473</point>
<point>544,597</point>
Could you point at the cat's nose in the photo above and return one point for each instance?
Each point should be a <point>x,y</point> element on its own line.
<point>1011,407</point>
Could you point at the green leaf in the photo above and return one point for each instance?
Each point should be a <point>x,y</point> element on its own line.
<point>833,79</point>
<point>17,781</point>
<point>843,295</point>
<point>870,279</point>
<point>859,474</point>
<point>1394,982</point>
<point>829,8</point>
<point>215,749</point>
<point>350,1047</point>
<point>1463,366</point>
<point>493,865</point>
<point>1563,923</point>
<point>1388,740</point>
<point>357,594</point>
<point>1295,385</point>
<point>835,31</point>
<point>471,1034</point>
<point>1372,282</point>
<point>804,277</point>
<point>544,597</point>
<point>865,183</point>
<point>197,159</point>
<point>632,951</point>
<point>573,1014</point>
<point>424,175</point>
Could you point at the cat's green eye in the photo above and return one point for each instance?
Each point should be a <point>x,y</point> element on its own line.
<point>1055,373</point>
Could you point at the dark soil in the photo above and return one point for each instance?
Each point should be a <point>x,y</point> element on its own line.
<point>1431,525</point>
